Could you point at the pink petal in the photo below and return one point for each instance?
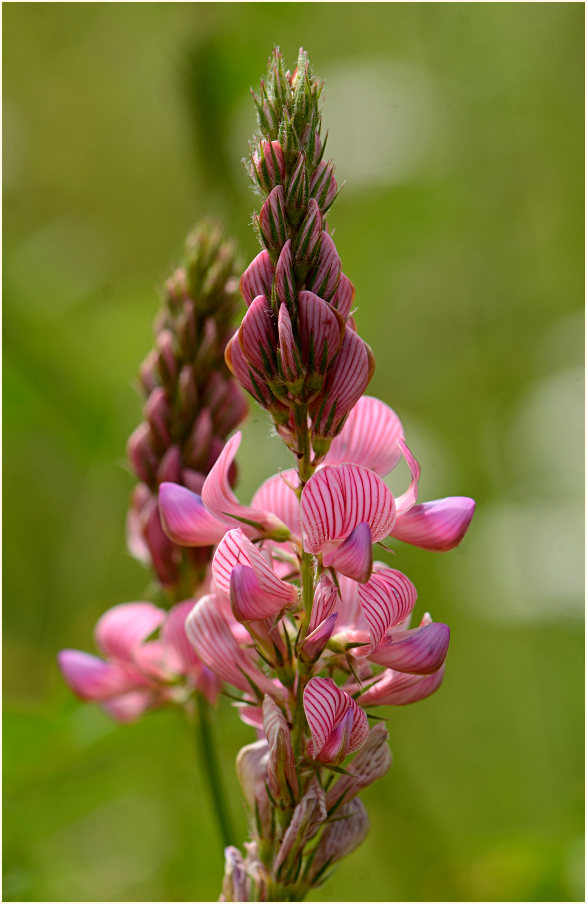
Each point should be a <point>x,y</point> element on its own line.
<point>257,278</point>
<point>185,518</point>
<point>369,437</point>
<point>248,599</point>
<point>347,380</point>
<point>325,706</point>
<point>121,629</point>
<point>439,525</point>
<point>386,599</point>
<point>355,556</point>
<point>399,689</point>
<point>315,642</point>
<point>344,296</point>
<point>325,276</point>
<point>258,336</point>
<point>238,364</point>
<point>272,221</point>
<point>285,283</point>
<point>420,651</point>
<point>325,599</point>
<point>128,707</point>
<point>179,652</point>
<point>321,331</point>
<point>276,495</point>
<point>369,765</point>
<point>235,549</point>
<point>339,497</point>
<point>290,358</point>
<point>213,641</point>
<point>219,499</point>
<point>405,502</point>
<point>91,678</point>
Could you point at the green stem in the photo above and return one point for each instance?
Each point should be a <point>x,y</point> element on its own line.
<point>209,763</point>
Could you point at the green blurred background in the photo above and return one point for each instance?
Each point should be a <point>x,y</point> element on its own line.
<point>458,128</point>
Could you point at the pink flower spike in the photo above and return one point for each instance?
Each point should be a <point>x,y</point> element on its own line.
<point>276,495</point>
<point>123,628</point>
<point>90,678</point>
<point>355,557</point>
<point>185,518</point>
<point>257,278</point>
<point>438,525</point>
<point>347,380</point>
<point>369,437</point>
<point>399,688</point>
<point>321,331</point>
<point>235,549</point>
<point>219,499</point>
<point>337,724</point>
<point>385,600</point>
<point>419,651</point>
<point>339,497</point>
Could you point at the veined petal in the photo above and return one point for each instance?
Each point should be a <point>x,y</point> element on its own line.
<point>257,278</point>
<point>369,437</point>
<point>344,296</point>
<point>438,525</point>
<point>239,366</point>
<point>315,642</point>
<point>290,359</point>
<point>276,495</point>
<point>213,641</point>
<point>248,599</point>
<point>355,556</point>
<point>370,764</point>
<point>347,380</point>
<point>339,497</point>
<point>405,502</point>
<point>386,599</point>
<point>186,519</point>
<point>258,336</point>
<point>121,629</point>
<point>90,678</point>
<point>341,836</point>
<point>235,549</point>
<point>399,688</point>
<point>325,599</point>
<point>219,499</point>
<point>419,651</point>
<point>326,706</point>
<point>324,278</point>
<point>321,331</point>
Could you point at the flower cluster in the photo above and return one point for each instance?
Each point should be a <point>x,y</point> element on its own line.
<point>297,350</point>
<point>192,402</point>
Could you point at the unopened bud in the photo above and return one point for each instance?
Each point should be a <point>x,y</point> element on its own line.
<point>340,837</point>
<point>186,328</point>
<point>297,193</point>
<point>251,769</point>
<point>370,764</point>
<point>187,393</point>
<point>307,818</point>
<point>141,454</point>
<point>307,240</point>
<point>323,185</point>
<point>149,373</point>
<point>197,447</point>
<point>234,884</point>
<point>272,222</point>
<point>158,414</point>
<point>285,282</point>
<point>326,274</point>
<point>281,769</point>
<point>169,469</point>
<point>268,165</point>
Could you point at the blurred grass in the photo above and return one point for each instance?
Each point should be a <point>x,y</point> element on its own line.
<point>458,128</point>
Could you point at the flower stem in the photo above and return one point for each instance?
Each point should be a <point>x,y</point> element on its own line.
<point>209,764</point>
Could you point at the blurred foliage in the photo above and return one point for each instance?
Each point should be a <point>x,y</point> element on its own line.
<point>458,128</point>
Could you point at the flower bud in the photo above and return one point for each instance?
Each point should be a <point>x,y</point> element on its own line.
<point>234,884</point>
<point>149,373</point>
<point>257,278</point>
<point>167,359</point>
<point>271,221</point>
<point>370,764</point>
<point>315,642</point>
<point>197,447</point>
<point>187,393</point>
<point>251,769</point>
<point>268,165</point>
<point>323,280</point>
<point>307,240</point>
<point>307,818</point>
<point>158,413</point>
<point>285,281</point>
<point>170,466</point>
<point>186,328</point>
<point>323,185</point>
<point>340,837</point>
<point>281,768</point>
<point>297,193</point>
<point>141,455</point>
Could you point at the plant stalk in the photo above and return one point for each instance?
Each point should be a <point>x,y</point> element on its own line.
<point>209,763</point>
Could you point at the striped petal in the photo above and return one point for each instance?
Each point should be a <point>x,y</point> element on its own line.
<point>419,651</point>
<point>288,352</point>
<point>324,278</point>
<point>315,642</point>
<point>90,678</point>
<point>355,556</point>
<point>325,599</point>
<point>258,336</point>
<point>339,497</point>
<point>219,499</point>
<point>257,278</point>
<point>347,380</point>
<point>278,496</point>
<point>239,366</point>
<point>185,518</point>
<point>337,724</point>
<point>439,525</point>
<point>369,437</point>
<point>344,296</point>
<point>248,599</point>
<point>285,281</point>
<point>405,502</point>
<point>386,599</point>
<point>215,644</point>
<point>399,688</point>
<point>235,549</point>
<point>321,331</point>
<point>121,629</point>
